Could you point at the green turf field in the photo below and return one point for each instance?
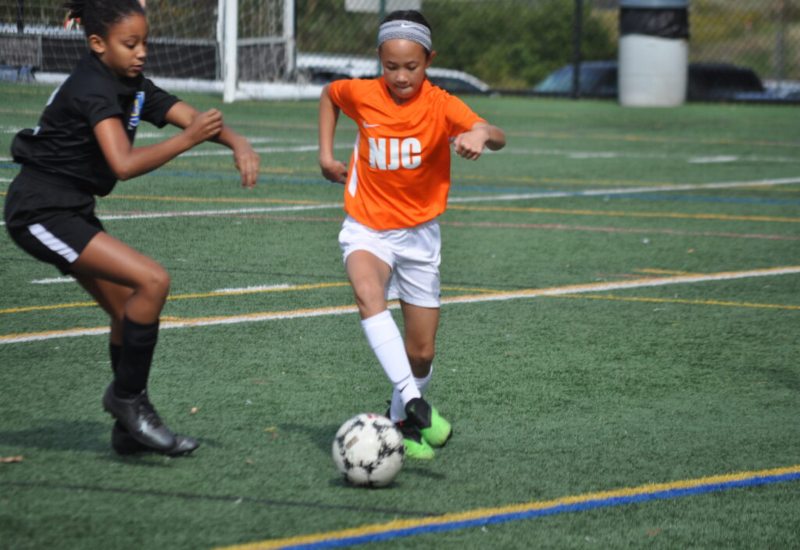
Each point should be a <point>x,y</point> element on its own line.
<point>618,350</point>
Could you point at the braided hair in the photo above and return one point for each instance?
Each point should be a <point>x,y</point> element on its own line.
<point>97,16</point>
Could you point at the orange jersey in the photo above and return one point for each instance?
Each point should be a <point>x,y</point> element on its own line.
<point>399,174</point>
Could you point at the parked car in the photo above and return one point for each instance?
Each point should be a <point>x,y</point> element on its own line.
<point>706,82</point>
<point>597,79</point>
<point>321,68</point>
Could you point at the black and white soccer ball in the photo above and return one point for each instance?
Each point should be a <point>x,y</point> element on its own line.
<point>368,450</point>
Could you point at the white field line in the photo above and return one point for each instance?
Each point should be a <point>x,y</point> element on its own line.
<point>56,280</point>
<point>461,200</point>
<point>257,288</point>
<point>691,159</point>
<point>225,152</point>
<point>469,299</point>
<point>627,190</point>
<point>224,212</point>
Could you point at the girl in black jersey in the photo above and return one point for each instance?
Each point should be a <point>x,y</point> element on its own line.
<point>82,145</point>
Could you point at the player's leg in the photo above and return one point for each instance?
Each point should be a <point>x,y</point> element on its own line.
<point>421,324</point>
<point>417,281</point>
<point>107,268</point>
<point>105,265</point>
<point>369,276</point>
<point>112,299</point>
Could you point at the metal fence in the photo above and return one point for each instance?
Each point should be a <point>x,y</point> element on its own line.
<point>511,45</point>
<point>514,44</point>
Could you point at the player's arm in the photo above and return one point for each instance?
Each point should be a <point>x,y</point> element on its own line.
<point>127,161</point>
<point>247,160</point>
<point>470,144</point>
<point>332,169</point>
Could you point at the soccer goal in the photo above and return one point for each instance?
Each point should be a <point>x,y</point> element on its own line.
<point>235,47</point>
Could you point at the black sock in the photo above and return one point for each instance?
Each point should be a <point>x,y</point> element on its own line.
<point>138,345</point>
<point>115,352</point>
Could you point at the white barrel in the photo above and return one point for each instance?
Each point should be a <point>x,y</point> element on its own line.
<point>652,71</point>
<point>653,53</point>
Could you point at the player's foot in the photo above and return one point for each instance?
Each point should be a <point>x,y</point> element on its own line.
<point>416,448</point>
<point>124,444</point>
<point>138,416</point>
<point>435,430</point>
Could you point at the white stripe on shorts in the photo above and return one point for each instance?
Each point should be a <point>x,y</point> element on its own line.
<point>52,242</point>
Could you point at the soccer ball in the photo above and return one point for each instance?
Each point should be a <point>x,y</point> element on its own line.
<point>368,450</point>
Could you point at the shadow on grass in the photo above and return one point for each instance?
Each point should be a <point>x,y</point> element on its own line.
<point>77,436</point>
<point>62,435</point>
<point>322,437</point>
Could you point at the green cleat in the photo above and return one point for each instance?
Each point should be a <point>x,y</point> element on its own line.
<point>416,448</point>
<point>435,430</point>
<point>440,431</point>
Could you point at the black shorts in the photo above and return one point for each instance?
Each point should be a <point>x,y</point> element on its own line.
<point>51,222</point>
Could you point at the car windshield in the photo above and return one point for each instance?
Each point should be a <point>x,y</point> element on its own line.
<point>592,78</point>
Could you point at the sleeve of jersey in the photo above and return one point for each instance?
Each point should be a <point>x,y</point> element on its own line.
<point>341,93</point>
<point>98,103</point>
<point>157,103</point>
<point>460,117</point>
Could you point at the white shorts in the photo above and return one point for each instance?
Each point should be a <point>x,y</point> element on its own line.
<point>413,254</point>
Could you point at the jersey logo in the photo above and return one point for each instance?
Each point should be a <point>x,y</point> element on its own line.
<point>136,111</point>
<point>394,153</point>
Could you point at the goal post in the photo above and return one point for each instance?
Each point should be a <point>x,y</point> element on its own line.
<point>230,45</point>
<point>219,46</point>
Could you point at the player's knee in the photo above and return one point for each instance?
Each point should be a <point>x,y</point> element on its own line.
<point>157,284</point>
<point>421,357</point>
<point>370,299</point>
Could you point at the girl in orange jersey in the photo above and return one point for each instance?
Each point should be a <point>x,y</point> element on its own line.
<point>395,189</point>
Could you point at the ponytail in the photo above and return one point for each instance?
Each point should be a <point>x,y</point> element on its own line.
<point>97,16</point>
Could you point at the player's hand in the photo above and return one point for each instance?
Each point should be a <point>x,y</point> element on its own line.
<point>334,170</point>
<point>247,162</point>
<point>469,145</point>
<point>204,126</point>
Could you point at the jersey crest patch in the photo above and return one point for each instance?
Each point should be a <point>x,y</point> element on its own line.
<point>136,111</point>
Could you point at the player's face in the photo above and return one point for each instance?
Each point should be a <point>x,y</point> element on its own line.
<point>404,63</point>
<point>124,48</point>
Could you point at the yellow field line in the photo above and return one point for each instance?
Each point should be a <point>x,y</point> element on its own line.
<point>219,293</point>
<point>472,517</point>
<point>724,303</point>
<point>462,299</point>
<point>624,214</point>
<point>191,296</point>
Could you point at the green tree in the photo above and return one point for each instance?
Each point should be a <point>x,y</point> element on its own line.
<point>512,44</point>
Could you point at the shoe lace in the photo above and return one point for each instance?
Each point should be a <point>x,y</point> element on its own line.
<point>409,430</point>
<point>146,410</point>
<point>419,411</point>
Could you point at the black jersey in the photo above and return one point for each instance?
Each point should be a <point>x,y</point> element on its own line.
<point>64,145</point>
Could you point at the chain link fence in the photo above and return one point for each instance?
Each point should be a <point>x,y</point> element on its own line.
<point>509,46</point>
<point>513,45</point>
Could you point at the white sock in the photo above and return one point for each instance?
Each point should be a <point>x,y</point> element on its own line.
<point>387,343</point>
<point>397,410</point>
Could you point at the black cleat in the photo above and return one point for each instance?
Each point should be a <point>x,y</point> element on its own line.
<point>124,444</point>
<point>138,416</point>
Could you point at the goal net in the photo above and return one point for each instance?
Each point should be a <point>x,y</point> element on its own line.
<point>191,44</point>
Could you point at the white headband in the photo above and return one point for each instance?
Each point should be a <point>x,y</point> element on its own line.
<point>408,30</point>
